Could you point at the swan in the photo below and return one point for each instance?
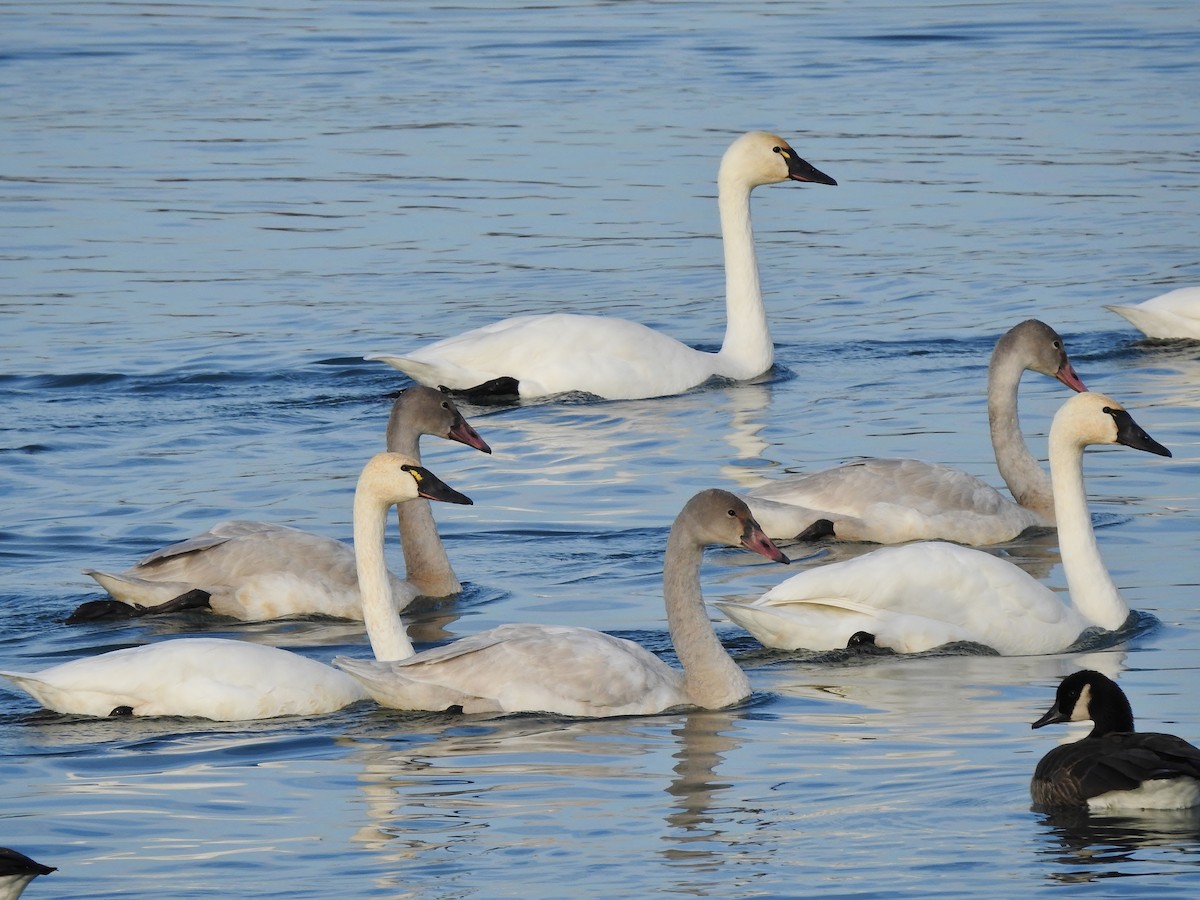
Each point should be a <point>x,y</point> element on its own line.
<point>889,501</point>
<point>1175,314</point>
<point>228,680</point>
<point>257,571</point>
<point>574,671</point>
<point>16,871</point>
<point>919,596</point>
<point>540,355</point>
<point>1114,768</point>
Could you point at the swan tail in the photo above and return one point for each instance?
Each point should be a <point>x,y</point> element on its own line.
<point>390,686</point>
<point>69,699</point>
<point>440,374</point>
<point>811,627</point>
<point>140,592</point>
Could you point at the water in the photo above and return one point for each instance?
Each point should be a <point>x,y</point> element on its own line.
<point>211,212</point>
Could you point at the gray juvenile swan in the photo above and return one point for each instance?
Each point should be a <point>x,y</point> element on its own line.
<point>541,355</point>
<point>229,680</point>
<point>890,501</point>
<point>580,672</point>
<point>257,571</point>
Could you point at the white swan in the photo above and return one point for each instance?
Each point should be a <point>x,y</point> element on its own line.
<point>889,501</point>
<point>579,672</point>
<point>229,680</point>
<point>1175,314</point>
<point>923,595</point>
<point>257,571</point>
<point>540,355</point>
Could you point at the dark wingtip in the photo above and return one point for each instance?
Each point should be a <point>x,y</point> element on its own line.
<point>821,528</point>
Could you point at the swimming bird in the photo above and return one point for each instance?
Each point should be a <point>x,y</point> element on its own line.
<point>229,680</point>
<point>541,355</point>
<point>257,571</point>
<point>1175,314</point>
<point>919,596</point>
<point>573,671</point>
<point>16,871</point>
<point>889,501</point>
<point>1114,768</point>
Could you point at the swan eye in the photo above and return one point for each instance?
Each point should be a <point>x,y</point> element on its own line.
<point>1057,345</point>
<point>445,404</point>
<point>1109,410</point>
<point>732,513</point>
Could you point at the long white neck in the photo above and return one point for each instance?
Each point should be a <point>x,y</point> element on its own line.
<point>746,350</point>
<point>1026,479</point>
<point>1093,593</point>
<point>389,640</point>
<point>711,678</point>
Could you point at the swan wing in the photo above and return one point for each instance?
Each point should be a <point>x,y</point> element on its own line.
<point>526,668</point>
<point>974,595</point>
<point>206,678</point>
<point>895,500</point>
<point>254,571</point>
<point>551,354</point>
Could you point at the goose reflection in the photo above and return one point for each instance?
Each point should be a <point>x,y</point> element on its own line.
<point>1086,847</point>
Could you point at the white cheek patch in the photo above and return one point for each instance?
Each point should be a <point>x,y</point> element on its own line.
<point>1080,712</point>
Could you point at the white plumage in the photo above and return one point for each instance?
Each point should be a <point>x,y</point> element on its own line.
<point>1175,314</point>
<point>922,595</point>
<point>614,358</point>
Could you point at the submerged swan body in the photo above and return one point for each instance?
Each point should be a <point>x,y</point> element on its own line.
<point>580,672</point>
<point>257,571</point>
<point>1114,768</point>
<point>542,355</point>
<point>1175,314</point>
<point>889,501</point>
<point>923,595</point>
<point>229,680</point>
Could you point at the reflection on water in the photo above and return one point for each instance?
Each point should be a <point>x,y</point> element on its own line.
<point>1086,848</point>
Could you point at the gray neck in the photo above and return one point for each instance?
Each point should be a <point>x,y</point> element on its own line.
<point>426,562</point>
<point>1026,479</point>
<point>711,678</point>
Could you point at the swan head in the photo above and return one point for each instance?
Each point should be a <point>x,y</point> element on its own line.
<point>396,478</point>
<point>719,517</point>
<point>1043,351</point>
<point>1091,418</point>
<point>1089,695</point>
<point>423,410</point>
<point>759,157</point>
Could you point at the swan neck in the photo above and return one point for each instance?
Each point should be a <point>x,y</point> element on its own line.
<point>426,562</point>
<point>746,350</point>
<point>389,639</point>
<point>1024,475</point>
<point>1093,593</point>
<point>711,678</point>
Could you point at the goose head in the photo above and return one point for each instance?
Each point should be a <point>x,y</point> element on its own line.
<point>423,410</point>
<point>763,158</point>
<point>719,517</point>
<point>1090,696</point>
<point>1042,349</point>
<point>1090,418</point>
<point>396,478</point>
